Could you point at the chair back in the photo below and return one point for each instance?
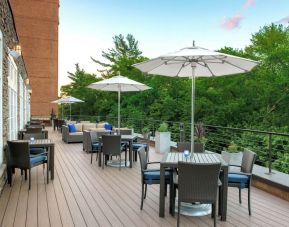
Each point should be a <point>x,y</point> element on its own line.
<point>125,131</point>
<point>27,136</point>
<point>18,154</point>
<point>198,182</point>
<point>34,129</point>
<point>111,144</point>
<point>181,146</point>
<point>142,158</point>
<point>248,161</point>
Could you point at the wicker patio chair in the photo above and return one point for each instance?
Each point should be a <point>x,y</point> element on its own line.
<point>18,156</point>
<point>34,129</point>
<point>142,142</point>
<point>94,143</point>
<point>111,146</point>
<point>181,146</point>
<point>242,179</point>
<point>197,182</point>
<point>35,150</point>
<point>150,176</point>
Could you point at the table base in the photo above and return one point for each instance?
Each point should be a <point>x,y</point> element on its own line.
<point>115,163</point>
<point>190,209</point>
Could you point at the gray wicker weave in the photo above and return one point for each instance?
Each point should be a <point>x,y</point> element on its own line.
<point>198,183</point>
<point>246,169</point>
<point>198,148</point>
<point>111,146</point>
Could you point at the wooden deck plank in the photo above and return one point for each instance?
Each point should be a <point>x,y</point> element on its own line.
<point>10,212</point>
<point>42,210</point>
<point>85,195</point>
<point>20,217</point>
<point>53,209</point>
<point>32,206</point>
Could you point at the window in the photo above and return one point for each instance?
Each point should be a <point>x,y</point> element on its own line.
<point>12,97</point>
<point>1,100</point>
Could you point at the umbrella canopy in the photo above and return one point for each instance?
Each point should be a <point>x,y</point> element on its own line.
<point>118,84</point>
<point>196,62</point>
<point>69,100</point>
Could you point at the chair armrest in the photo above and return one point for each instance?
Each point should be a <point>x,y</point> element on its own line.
<point>36,155</point>
<point>151,170</point>
<point>242,173</point>
<point>153,163</point>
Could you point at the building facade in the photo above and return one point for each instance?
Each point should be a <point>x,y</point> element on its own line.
<point>14,84</point>
<point>37,28</point>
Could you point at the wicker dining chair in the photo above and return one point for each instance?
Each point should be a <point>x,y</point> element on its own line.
<point>35,150</point>
<point>181,146</point>
<point>94,143</point>
<point>150,176</point>
<point>197,182</point>
<point>242,178</point>
<point>111,146</point>
<point>34,129</point>
<point>142,142</point>
<point>18,156</point>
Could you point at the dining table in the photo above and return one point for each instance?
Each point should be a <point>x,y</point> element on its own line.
<point>129,139</point>
<point>171,159</point>
<point>49,145</point>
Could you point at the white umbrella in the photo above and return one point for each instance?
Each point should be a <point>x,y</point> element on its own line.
<point>119,84</point>
<point>69,100</point>
<point>194,62</point>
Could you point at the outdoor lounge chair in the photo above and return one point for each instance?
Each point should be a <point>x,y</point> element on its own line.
<point>197,183</point>
<point>242,179</point>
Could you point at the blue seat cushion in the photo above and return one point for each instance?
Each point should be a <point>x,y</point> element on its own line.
<point>136,146</point>
<point>36,150</point>
<point>238,178</point>
<point>34,160</point>
<point>124,143</point>
<point>108,126</point>
<point>151,176</point>
<point>95,146</point>
<point>71,128</point>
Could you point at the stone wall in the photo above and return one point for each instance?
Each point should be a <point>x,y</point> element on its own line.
<point>10,39</point>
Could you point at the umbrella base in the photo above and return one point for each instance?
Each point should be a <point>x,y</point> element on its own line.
<point>115,163</point>
<point>194,209</point>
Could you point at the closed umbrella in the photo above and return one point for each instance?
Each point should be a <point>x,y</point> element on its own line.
<point>118,84</point>
<point>196,62</point>
<point>69,100</point>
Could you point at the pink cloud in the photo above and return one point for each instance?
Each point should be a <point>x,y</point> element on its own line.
<point>232,22</point>
<point>248,4</point>
<point>284,20</point>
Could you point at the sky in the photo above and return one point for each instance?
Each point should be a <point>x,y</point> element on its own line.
<point>86,27</point>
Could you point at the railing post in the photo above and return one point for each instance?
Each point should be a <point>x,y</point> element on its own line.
<point>270,153</point>
<point>181,132</point>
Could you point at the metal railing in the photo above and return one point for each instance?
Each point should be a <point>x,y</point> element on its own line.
<point>272,148</point>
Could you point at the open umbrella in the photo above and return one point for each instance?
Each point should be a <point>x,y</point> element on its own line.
<point>196,62</point>
<point>69,100</point>
<point>119,84</point>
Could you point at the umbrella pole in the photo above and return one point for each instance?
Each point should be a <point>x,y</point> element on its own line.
<point>193,65</point>
<point>118,114</point>
<point>70,111</point>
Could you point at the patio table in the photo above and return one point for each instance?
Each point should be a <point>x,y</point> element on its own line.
<point>125,138</point>
<point>46,143</point>
<point>171,159</point>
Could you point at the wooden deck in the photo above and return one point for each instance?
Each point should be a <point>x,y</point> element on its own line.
<point>85,195</point>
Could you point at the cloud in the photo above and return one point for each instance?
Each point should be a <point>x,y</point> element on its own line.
<point>284,20</point>
<point>248,4</point>
<point>232,22</point>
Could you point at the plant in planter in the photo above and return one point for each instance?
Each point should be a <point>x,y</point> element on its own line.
<point>200,140</point>
<point>232,148</point>
<point>163,139</point>
<point>145,132</point>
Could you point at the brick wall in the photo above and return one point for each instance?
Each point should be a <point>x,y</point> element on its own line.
<point>37,28</point>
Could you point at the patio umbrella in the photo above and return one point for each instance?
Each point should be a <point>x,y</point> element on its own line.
<point>196,62</point>
<point>69,100</point>
<point>118,84</point>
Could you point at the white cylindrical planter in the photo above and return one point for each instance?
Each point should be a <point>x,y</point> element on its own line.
<point>163,142</point>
